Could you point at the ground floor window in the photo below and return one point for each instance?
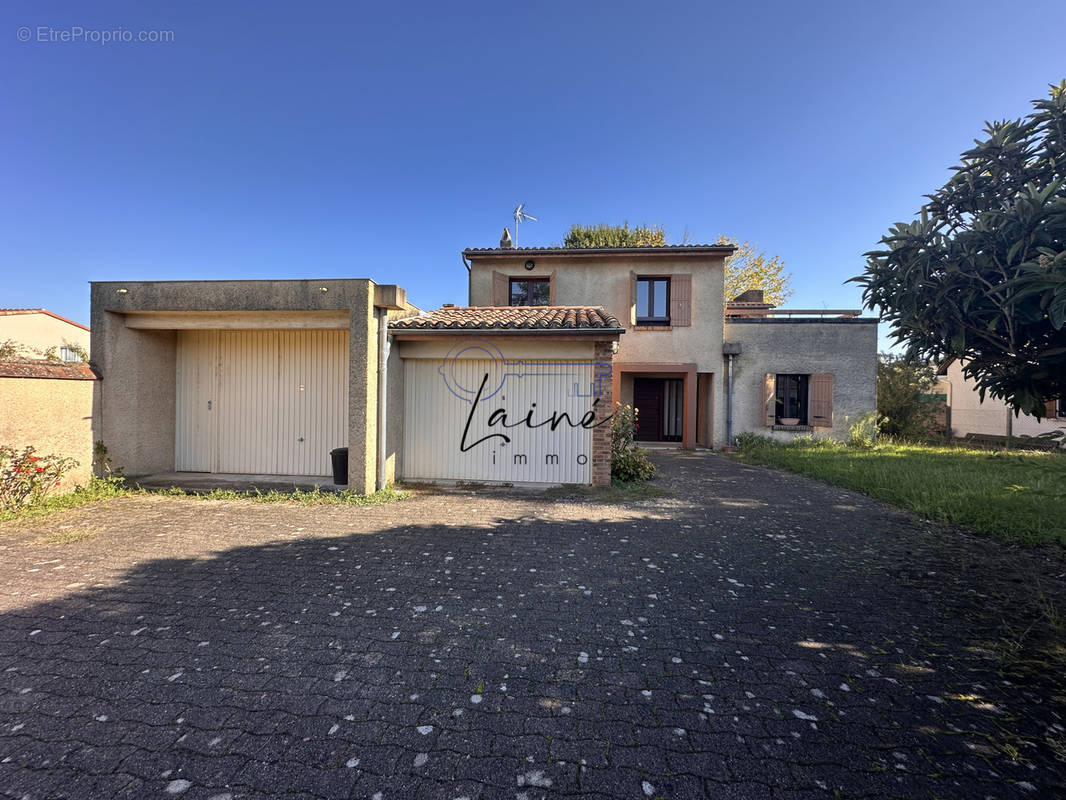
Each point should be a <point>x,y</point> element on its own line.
<point>792,399</point>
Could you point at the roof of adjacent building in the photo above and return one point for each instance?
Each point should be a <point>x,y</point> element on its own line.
<point>505,318</point>
<point>56,370</point>
<point>670,249</point>
<point>4,312</point>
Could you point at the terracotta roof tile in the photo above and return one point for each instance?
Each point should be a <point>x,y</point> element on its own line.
<point>676,249</point>
<point>510,318</point>
<point>56,370</point>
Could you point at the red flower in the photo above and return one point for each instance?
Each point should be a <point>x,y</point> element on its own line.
<point>40,469</point>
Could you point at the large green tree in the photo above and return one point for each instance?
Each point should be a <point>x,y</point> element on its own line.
<point>981,274</point>
<point>747,268</point>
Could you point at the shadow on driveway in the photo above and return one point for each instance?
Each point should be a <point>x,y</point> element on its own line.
<point>755,634</point>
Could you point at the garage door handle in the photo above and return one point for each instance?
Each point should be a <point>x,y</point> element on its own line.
<point>208,405</point>
<point>300,439</point>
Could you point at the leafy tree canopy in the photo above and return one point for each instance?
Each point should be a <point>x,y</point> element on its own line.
<point>750,268</point>
<point>747,268</point>
<point>981,275</point>
<point>615,236</point>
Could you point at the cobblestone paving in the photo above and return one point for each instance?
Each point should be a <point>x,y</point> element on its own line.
<point>752,635</point>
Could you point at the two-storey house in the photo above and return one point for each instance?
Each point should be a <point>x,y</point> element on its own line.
<point>699,369</point>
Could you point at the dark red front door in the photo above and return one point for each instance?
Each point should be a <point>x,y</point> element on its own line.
<point>659,402</point>
<point>648,398</point>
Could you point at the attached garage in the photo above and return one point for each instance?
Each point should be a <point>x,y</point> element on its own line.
<point>260,401</point>
<point>451,433</point>
<point>507,395</point>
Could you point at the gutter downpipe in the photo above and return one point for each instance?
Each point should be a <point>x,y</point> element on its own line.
<point>382,315</point>
<point>729,400</point>
<point>469,278</point>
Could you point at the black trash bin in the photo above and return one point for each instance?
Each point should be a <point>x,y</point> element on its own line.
<point>340,465</point>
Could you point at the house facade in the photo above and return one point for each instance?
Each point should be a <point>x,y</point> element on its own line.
<point>39,331</point>
<point>699,369</point>
<point>268,377</point>
<point>968,413</point>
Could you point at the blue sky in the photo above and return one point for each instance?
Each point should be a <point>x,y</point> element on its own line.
<point>274,140</point>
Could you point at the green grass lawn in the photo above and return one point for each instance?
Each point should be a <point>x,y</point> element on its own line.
<point>1016,496</point>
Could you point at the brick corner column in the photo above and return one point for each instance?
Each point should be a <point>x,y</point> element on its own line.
<point>601,435</point>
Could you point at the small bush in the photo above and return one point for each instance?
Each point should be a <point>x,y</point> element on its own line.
<point>26,477</point>
<point>628,462</point>
<point>863,431</point>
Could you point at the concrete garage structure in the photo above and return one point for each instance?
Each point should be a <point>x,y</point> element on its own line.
<point>258,377</point>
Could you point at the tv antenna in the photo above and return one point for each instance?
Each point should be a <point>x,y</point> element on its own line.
<point>521,216</point>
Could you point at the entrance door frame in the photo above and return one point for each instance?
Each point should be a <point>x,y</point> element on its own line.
<point>687,372</point>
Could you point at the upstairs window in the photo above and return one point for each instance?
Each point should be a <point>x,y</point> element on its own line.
<point>530,292</point>
<point>653,301</point>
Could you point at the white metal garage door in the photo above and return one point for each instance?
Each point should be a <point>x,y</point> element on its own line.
<point>442,425</point>
<point>261,402</point>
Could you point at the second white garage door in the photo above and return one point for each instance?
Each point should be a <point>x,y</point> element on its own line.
<point>449,437</point>
<point>261,402</point>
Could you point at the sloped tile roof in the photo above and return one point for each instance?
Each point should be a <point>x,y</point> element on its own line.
<point>666,249</point>
<point>7,312</point>
<point>56,370</point>
<point>510,318</point>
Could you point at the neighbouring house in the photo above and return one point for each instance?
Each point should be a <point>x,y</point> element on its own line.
<point>968,413</point>
<point>46,403</point>
<point>41,332</point>
<point>267,377</point>
<point>699,369</point>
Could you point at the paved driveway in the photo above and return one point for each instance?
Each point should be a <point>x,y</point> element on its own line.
<point>754,634</point>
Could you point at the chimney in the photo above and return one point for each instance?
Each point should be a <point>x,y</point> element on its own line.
<point>505,240</point>
<point>750,296</point>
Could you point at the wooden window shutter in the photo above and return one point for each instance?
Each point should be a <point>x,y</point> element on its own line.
<point>822,400</point>
<point>681,300</point>
<point>1051,409</point>
<point>632,315</point>
<point>551,288</point>
<point>769,399</point>
<point>501,289</point>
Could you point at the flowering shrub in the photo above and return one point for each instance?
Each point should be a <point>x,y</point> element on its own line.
<point>26,477</point>
<point>628,462</point>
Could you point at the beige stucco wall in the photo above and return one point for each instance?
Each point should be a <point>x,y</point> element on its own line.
<point>41,331</point>
<point>847,348</point>
<point>970,415</point>
<point>134,411</point>
<point>54,416</point>
<point>605,281</point>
